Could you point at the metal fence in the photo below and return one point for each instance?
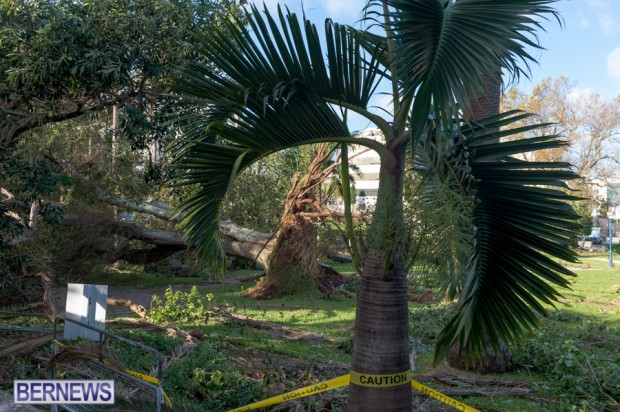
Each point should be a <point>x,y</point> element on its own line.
<point>133,390</point>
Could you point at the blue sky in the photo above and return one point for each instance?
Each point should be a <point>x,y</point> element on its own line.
<point>586,49</point>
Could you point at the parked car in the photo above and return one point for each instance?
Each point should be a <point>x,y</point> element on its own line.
<point>596,240</point>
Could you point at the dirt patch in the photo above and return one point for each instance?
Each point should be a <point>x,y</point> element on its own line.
<point>422,297</point>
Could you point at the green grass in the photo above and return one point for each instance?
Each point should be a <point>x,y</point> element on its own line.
<point>571,363</point>
<point>587,318</point>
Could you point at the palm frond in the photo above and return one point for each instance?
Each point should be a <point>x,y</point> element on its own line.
<point>445,46</point>
<point>522,224</point>
<point>270,85</point>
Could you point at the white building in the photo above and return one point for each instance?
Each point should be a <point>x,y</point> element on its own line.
<point>365,167</point>
<point>607,192</point>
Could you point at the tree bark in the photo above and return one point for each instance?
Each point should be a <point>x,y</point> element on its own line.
<point>381,334</point>
<point>294,262</point>
<point>236,240</point>
<point>29,225</point>
<point>487,102</point>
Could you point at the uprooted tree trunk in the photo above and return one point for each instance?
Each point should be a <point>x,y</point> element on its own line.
<point>294,264</point>
<point>236,240</point>
<point>289,257</point>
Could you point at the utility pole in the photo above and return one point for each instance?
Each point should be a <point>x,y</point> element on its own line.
<point>611,212</point>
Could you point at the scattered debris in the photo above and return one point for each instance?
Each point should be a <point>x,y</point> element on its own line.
<point>277,331</point>
<point>26,345</point>
<point>138,309</point>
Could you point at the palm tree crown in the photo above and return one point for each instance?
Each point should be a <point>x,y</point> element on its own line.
<point>275,83</point>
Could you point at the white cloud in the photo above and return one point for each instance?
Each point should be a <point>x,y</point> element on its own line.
<point>585,23</point>
<point>608,24</point>
<point>613,64</point>
<point>578,94</point>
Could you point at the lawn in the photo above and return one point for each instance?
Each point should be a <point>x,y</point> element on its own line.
<point>255,349</point>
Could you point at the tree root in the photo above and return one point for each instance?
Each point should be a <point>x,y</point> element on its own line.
<point>277,331</point>
<point>138,309</point>
<point>26,345</point>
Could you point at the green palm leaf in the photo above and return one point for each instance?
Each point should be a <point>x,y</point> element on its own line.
<point>445,45</point>
<point>522,223</point>
<point>270,86</point>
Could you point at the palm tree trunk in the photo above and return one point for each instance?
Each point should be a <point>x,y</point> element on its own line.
<point>381,340</point>
<point>487,102</point>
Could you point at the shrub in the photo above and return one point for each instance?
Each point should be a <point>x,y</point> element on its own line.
<point>180,307</point>
<point>583,377</point>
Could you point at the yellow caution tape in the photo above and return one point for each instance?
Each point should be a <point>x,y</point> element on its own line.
<point>441,397</point>
<point>371,380</point>
<point>142,376</point>
<point>299,393</point>
<point>380,381</point>
<point>362,379</point>
<point>58,342</point>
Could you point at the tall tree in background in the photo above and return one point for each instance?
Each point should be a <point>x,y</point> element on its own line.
<point>274,86</point>
<point>589,124</point>
<point>60,60</point>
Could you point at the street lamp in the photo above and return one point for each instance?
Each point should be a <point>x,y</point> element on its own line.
<point>610,213</point>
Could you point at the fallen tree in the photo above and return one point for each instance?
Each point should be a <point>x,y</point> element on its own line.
<point>236,240</point>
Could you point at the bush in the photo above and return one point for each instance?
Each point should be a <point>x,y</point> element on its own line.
<point>208,377</point>
<point>224,387</point>
<point>180,307</point>
<point>583,377</point>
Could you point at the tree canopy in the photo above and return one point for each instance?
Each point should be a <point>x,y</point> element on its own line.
<point>64,59</point>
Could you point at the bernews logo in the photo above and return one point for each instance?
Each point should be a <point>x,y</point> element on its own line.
<point>60,391</point>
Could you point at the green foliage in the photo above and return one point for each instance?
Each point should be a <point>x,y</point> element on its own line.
<point>28,179</point>
<point>9,227</point>
<point>27,182</point>
<point>224,388</point>
<point>583,377</point>
<point>256,199</point>
<point>180,307</point>
<point>582,207</point>
<point>11,264</point>
<point>208,376</point>
<point>439,223</point>
<point>137,359</point>
<point>63,59</point>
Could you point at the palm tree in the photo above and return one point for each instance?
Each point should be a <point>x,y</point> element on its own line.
<point>276,83</point>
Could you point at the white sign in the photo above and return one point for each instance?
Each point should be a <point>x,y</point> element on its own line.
<point>86,304</point>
